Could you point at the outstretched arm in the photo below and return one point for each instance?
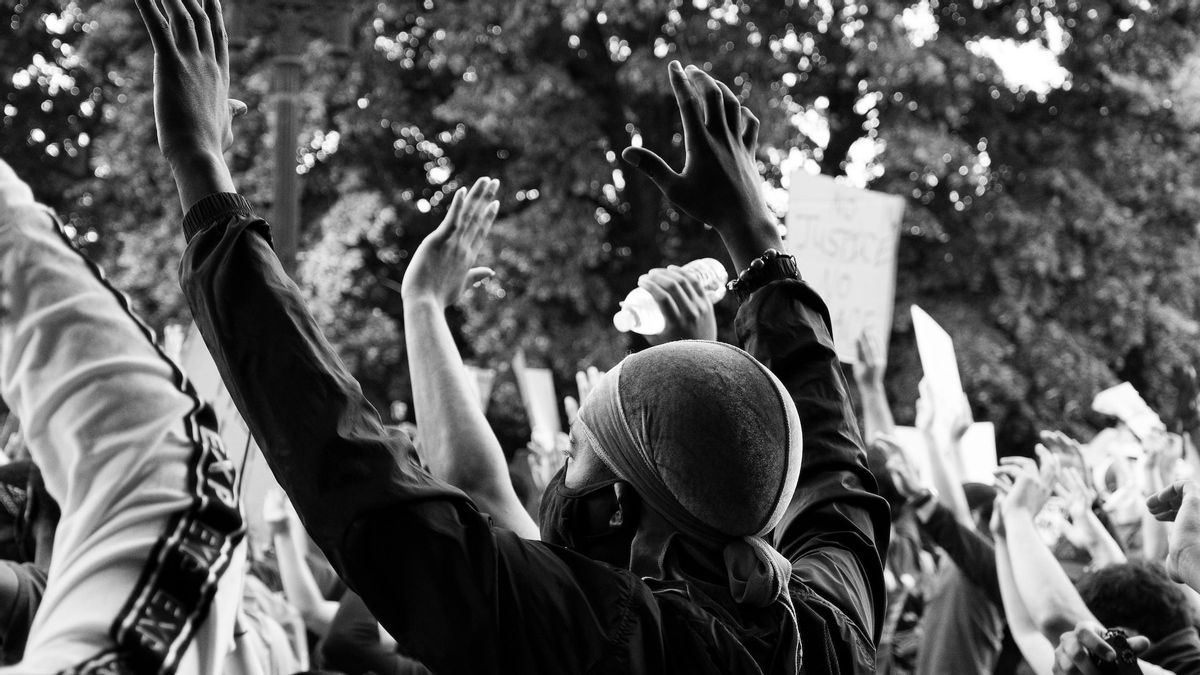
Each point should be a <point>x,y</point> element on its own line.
<point>1045,590</point>
<point>456,444</point>
<point>837,524</point>
<point>868,376</point>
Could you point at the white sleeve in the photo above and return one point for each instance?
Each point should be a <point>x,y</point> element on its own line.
<point>150,516</point>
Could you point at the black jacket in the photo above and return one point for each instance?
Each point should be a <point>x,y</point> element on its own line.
<point>464,597</point>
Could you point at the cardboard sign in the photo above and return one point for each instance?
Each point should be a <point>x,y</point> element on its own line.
<point>916,450</point>
<point>537,392</point>
<point>936,349</point>
<point>256,478</point>
<point>845,240</point>
<point>979,460</point>
<point>1126,404</point>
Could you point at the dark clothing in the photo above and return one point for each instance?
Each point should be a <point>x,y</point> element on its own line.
<point>962,628</point>
<point>970,551</point>
<point>965,627</point>
<point>353,646</point>
<point>1178,652</point>
<point>20,608</point>
<point>464,597</point>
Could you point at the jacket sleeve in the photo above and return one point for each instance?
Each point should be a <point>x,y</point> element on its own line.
<point>836,529</point>
<point>970,551</point>
<point>423,558</point>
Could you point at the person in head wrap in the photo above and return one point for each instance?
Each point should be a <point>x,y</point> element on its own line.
<point>732,559</point>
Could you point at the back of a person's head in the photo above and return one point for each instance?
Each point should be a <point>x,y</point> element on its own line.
<point>1138,596</point>
<point>720,430</point>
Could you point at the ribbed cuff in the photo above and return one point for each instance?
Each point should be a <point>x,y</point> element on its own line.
<point>211,208</point>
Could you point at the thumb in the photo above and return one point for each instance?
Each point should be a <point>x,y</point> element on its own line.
<point>1139,644</point>
<point>652,165</point>
<point>237,108</point>
<point>476,275</point>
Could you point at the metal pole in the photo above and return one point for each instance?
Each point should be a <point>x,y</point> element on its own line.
<point>285,225</point>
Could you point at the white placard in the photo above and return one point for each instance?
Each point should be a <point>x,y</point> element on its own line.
<point>537,392</point>
<point>845,240</point>
<point>978,448</point>
<point>916,449</point>
<point>936,349</point>
<point>1126,404</point>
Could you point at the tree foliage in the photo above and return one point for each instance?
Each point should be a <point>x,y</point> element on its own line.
<point>1051,231</point>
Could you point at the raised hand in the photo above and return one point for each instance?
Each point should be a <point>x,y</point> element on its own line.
<point>1079,649</point>
<point>278,512</point>
<point>684,305</point>
<point>868,372</point>
<point>585,381</point>
<point>1030,488</point>
<point>719,183</point>
<point>1180,502</point>
<point>441,268</point>
<point>192,109</point>
<point>904,476</point>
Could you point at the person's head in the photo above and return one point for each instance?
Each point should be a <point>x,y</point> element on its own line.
<point>690,439</point>
<point>1137,597</point>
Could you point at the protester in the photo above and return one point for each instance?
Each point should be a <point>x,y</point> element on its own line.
<point>716,597</point>
<point>150,521</point>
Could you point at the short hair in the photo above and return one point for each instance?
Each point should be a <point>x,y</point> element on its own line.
<point>1136,595</point>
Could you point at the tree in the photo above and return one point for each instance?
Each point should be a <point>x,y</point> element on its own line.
<point>1051,231</point>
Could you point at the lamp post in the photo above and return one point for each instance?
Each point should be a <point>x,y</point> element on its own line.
<point>288,26</point>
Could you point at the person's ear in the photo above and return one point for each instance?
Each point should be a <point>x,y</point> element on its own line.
<point>628,504</point>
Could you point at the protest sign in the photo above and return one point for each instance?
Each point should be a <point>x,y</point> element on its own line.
<point>1126,404</point>
<point>916,450</point>
<point>936,349</point>
<point>845,239</point>
<point>537,392</point>
<point>978,448</point>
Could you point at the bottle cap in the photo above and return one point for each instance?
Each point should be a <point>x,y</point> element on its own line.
<point>625,320</point>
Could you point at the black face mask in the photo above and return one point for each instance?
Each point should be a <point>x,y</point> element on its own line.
<point>587,520</point>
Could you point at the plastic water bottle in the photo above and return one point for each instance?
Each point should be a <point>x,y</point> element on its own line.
<point>640,313</point>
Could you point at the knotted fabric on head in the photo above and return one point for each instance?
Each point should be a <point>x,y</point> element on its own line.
<point>710,439</point>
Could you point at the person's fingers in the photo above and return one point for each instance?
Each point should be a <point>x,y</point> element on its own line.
<point>481,213</point>
<point>733,110</point>
<point>1091,638</point>
<point>156,25</point>
<point>689,284</point>
<point>483,225</point>
<point>666,302</point>
<point>1023,464</point>
<point>710,94</point>
<point>1139,643</point>
<point>476,275</point>
<point>454,213</point>
<point>571,406</point>
<point>1166,501</point>
<point>655,167</point>
<point>183,27</point>
<point>750,132</point>
<point>582,385</point>
<point>198,10</point>
<point>220,39</point>
<point>686,98</point>
<point>475,202</point>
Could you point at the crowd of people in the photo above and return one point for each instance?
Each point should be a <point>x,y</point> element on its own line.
<point>715,509</point>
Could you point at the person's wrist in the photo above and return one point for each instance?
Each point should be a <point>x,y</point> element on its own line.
<point>422,300</point>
